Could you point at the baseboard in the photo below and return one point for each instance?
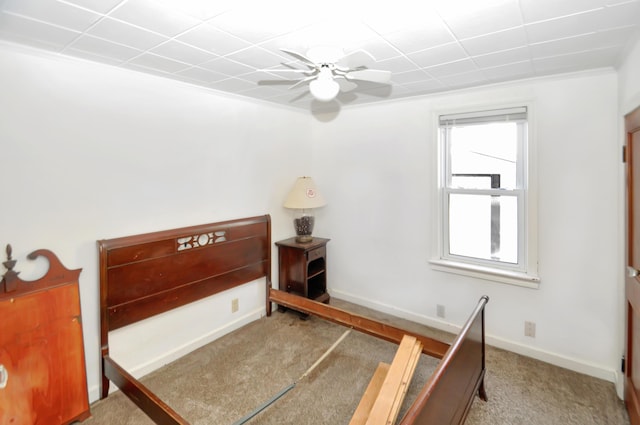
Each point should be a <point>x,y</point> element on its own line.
<point>555,359</point>
<point>153,364</point>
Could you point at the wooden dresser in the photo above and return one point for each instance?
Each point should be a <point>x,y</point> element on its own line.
<point>42,365</point>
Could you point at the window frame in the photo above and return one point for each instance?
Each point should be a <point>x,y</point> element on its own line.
<point>526,272</point>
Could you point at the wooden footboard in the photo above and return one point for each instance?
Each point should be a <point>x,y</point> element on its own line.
<point>447,397</point>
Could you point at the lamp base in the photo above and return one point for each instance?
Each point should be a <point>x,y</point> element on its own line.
<point>304,227</point>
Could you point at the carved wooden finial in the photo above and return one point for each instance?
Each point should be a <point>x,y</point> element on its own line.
<point>10,278</point>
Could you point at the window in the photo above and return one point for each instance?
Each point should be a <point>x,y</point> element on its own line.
<point>484,196</point>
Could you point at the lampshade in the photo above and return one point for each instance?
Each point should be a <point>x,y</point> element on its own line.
<point>304,195</point>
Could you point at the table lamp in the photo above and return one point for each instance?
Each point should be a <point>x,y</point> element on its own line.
<point>303,198</point>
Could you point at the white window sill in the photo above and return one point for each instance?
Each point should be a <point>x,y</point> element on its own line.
<point>487,273</point>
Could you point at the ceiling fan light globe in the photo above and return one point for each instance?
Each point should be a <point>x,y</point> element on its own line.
<point>324,89</point>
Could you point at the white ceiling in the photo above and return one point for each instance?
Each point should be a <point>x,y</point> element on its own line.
<point>429,45</point>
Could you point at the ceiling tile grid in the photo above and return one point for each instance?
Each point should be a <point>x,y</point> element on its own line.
<point>234,46</point>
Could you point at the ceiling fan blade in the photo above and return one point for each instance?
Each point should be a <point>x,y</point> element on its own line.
<point>300,57</point>
<point>276,82</point>
<point>356,59</point>
<point>304,80</point>
<point>346,86</point>
<point>297,71</point>
<point>373,75</point>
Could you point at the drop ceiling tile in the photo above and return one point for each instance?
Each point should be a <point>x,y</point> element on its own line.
<point>541,10</point>
<point>155,17</point>
<point>123,33</point>
<point>200,9</point>
<point>619,15</point>
<point>213,40</point>
<point>380,92</point>
<point>146,70</point>
<point>506,72</point>
<point>335,33</point>
<point>478,18</point>
<point>182,52</point>
<point>92,57</point>
<point>53,12</point>
<point>34,33</point>
<point>465,79</point>
<point>100,47</point>
<point>379,48</point>
<point>617,2</point>
<point>257,23</point>
<point>438,55</point>
<point>502,58</point>
<point>452,68</point>
<point>575,62</point>
<point>431,33</point>
<point>100,6</point>
<point>256,57</point>
<point>345,33</point>
<point>497,41</point>
<point>409,77</point>
<point>389,20</point>
<point>397,65</point>
<point>263,79</point>
<point>564,27</point>
<point>596,40</point>
<point>426,86</point>
<point>291,98</point>
<point>233,85</point>
<point>149,60</point>
<point>262,92</point>
<point>202,75</point>
<point>398,90</point>
<point>227,67</point>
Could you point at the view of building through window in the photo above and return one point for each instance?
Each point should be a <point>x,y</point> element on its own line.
<point>483,196</point>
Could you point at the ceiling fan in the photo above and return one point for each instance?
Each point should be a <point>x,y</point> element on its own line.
<point>331,71</point>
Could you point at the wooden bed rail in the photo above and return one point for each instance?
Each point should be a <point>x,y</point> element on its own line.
<point>159,411</point>
<point>447,396</point>
<point>430,346</point>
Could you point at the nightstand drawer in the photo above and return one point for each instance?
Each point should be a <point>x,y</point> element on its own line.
<point>316,253</point>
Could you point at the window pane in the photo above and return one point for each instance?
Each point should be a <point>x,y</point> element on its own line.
<point>484,155</point>
<point>484,226</point>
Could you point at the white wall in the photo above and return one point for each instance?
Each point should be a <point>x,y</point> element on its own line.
<point>629,80</point>
<point>376,167</point>
<point>91,152</point>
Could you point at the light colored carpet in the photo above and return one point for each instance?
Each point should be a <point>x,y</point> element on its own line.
<point>222,382</point>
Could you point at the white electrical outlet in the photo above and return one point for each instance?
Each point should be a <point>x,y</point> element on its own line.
<point>440,311</point>
<point>235,305</point>
<point>530,329</point>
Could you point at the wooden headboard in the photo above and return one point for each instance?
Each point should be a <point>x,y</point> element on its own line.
<point>144,275</point>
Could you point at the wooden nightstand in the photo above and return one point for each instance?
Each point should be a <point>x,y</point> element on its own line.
<point>303,268</point>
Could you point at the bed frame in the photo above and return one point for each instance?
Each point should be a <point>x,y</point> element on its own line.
<point>144,275</point>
